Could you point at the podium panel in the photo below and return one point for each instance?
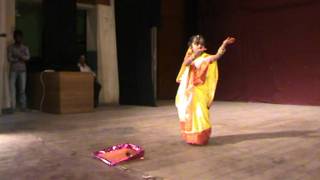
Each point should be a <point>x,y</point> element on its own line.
<point>61,92</point>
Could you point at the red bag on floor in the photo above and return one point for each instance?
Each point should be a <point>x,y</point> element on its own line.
<point>119,153</point>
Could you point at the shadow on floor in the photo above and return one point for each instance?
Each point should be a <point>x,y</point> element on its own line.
<point>237,138</point>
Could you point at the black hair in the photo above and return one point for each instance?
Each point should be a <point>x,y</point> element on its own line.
<point>17,32</point>
<point>197,39</point>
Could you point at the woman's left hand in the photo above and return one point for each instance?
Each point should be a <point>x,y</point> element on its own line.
<point>229,40</point>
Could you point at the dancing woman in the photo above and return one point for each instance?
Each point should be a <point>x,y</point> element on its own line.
<point>197,80</point>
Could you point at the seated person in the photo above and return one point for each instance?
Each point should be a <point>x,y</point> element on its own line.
<point>83,67</point>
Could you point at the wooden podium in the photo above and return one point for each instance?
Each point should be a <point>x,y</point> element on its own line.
<point>61,92</point>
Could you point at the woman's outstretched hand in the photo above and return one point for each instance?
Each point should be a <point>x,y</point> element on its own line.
<point>229,40</point>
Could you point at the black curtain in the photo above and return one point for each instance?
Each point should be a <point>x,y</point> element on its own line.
<point>59,35</point>
<point>134,20</point>
<point>192,16</point>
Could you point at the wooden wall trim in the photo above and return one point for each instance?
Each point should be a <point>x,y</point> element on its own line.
<point>105,2</point>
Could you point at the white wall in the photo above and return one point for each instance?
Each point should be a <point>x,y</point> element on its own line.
<point>7,26</point>
<point>107,54</point>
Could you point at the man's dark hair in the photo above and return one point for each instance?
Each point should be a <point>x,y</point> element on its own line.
<point>17,32</point>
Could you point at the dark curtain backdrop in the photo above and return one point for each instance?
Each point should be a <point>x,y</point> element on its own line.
<point>133,22</point>
<point>59,35</point>
<point>178,23</point>
<point>276,57</point>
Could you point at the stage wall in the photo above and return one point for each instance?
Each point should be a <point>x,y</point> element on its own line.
<point>277,56</point>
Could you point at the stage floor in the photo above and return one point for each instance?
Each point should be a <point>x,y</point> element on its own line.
<point>249,141</point>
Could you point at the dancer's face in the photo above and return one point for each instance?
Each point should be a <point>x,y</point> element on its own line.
<point>196,47</point>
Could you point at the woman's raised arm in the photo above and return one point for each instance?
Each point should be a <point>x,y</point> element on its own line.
<point>222,49</point>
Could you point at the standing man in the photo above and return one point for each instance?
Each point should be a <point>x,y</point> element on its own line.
<point>18,55</point>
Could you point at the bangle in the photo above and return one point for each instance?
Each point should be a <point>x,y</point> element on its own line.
<point>221,51</point>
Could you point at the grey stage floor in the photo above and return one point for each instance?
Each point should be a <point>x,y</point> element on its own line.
<point>249,141</point>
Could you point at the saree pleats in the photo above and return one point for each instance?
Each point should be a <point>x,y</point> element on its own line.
<point>194,98</point>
